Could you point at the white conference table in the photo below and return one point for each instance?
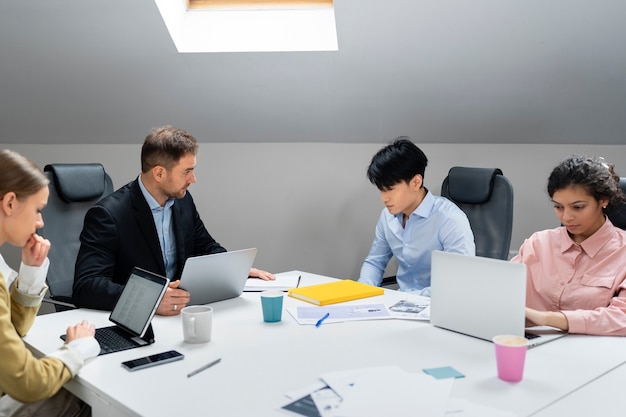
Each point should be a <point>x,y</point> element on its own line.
<point>600,397</point>
<point>261,362</point>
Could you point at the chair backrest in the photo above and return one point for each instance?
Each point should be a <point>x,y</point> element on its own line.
<point>617,213</point>
<point>74,188</point>
<point>486,197</point>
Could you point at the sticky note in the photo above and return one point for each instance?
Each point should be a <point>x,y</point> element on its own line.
<point>444,372</point>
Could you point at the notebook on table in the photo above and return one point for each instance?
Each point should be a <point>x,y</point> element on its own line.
<point>335,292</point>
<point>216,277</point>
<point>481,297</point>
<point>133,313</point>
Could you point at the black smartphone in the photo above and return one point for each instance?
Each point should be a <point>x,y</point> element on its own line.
<point>153,360</point>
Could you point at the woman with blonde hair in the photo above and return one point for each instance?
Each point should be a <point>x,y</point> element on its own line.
<point>24,378</point>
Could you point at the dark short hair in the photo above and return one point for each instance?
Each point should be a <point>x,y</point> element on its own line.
<point>595,175</point>
<point>165,146</point>
<point>399,161</point>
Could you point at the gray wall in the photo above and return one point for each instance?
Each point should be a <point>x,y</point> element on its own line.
<point>309,206</point>
<point>440,71</point>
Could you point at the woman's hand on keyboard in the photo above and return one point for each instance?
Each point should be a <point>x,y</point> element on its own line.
<point>82,329</point>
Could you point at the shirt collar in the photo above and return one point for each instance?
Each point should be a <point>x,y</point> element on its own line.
<point>424,209</point>
<point>152,203</point>
<point>593,243</point>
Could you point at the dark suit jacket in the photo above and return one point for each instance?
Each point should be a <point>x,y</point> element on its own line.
<point>119,234</point>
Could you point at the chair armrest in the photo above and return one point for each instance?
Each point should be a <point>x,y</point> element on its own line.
<point>389,282</point>
<point>60,303</point>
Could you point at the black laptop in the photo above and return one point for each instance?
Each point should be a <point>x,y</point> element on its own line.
<point>133,313</point>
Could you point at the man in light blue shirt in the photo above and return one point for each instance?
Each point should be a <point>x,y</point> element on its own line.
<point>414,222</point>
<point>162,216</point>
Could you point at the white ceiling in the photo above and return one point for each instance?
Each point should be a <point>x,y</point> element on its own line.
<point>440,71</point>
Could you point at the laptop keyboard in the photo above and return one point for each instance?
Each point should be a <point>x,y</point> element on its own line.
<point>529,336</point>
<point>112,339</point>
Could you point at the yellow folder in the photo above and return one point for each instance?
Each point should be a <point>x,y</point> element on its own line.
<point>335,292</point>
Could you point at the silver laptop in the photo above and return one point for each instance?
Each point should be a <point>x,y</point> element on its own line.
<point>216,277</point>
<point>481,297</point>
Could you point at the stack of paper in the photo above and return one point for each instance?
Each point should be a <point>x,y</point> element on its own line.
<point>338,313</point>
<point>283,282</point>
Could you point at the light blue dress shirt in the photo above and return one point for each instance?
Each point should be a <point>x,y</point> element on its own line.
<point>436,224</point>
<point>165,229</point>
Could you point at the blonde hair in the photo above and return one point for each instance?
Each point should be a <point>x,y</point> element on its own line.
<point>19,175</point>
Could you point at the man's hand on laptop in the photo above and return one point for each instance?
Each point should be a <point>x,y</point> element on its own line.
<point>174,300</point>
<point>264,275</point>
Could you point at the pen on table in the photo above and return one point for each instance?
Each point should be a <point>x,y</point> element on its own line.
<point>202,368</point>
<point>320,321</point>
<point>298,283</point>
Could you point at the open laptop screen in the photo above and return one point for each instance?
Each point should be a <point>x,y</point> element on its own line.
<point>477,296</point>
<point>482,297</point>
<point>138,302</point>
<point>216,277</point>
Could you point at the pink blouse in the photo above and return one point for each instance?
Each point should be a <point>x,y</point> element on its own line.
<point>585,281</point>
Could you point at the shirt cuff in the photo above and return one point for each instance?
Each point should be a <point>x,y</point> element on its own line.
<point>28,300</point>
<point>575,322</point>
<point>425,292</point>
<point>70,357</point>
<point>32,279</point>
<point>88,347</point>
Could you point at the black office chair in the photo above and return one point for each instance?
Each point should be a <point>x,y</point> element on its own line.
<point>74,188</point>
<point>617,213</point>
<point>486,197</point>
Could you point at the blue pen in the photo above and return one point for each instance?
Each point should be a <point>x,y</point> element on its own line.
<point>320,321</point>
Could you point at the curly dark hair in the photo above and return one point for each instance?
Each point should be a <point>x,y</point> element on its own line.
<point>598,177</point>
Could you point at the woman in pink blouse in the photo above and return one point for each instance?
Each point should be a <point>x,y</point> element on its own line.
<point>577,272</point>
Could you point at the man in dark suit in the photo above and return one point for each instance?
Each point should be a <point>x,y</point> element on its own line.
<point>151,222</point>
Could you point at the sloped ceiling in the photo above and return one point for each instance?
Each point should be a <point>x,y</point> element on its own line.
<point>440,71</point>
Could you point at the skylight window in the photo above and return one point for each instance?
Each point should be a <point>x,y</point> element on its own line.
<point>250,25</point>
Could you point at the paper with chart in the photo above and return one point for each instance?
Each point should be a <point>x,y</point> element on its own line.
<point>416,308</point>
<point>339,313</point>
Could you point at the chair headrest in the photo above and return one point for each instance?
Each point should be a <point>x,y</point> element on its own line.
<point>78,182</point>
<point>471,185</point>
<point>617,212</point>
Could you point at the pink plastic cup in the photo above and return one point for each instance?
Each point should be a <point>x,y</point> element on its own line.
<point>510,357</point>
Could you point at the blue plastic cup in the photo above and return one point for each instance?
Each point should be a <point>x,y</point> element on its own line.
<point>272,305</point>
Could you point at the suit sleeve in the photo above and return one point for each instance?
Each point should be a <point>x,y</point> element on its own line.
<point>193,237</point>
<point>93,277</point>
<point>203,241</point>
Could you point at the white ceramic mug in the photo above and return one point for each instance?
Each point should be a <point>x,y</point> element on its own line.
<point>197,324</point>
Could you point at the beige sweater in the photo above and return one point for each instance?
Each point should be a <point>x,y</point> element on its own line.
<point>22,376</point>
